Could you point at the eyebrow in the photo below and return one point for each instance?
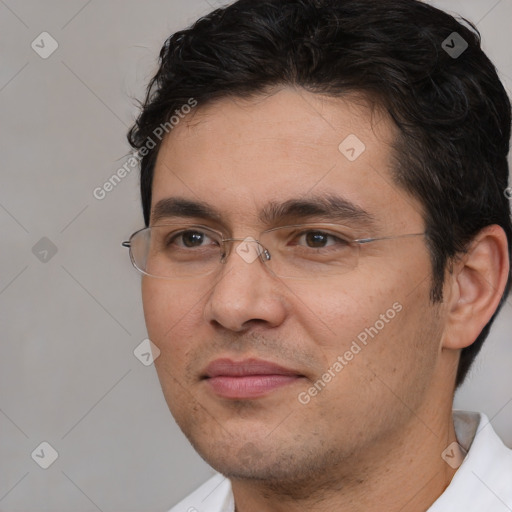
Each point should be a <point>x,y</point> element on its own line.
<point>326,207</point>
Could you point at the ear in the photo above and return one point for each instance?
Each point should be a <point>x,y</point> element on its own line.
<point>476,286</point>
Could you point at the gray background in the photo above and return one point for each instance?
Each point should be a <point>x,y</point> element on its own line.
<point>70,323</point>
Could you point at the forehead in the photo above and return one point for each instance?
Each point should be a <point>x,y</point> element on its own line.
<point>240,154</point>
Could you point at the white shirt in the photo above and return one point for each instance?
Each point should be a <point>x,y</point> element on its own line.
<point>482,483</point>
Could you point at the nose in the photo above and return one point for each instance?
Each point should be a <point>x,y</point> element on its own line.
<point>246,291</point>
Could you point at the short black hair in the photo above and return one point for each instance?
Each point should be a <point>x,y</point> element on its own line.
<point>452,112</point>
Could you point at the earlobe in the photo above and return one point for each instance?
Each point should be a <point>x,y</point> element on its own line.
<point>476,286</point>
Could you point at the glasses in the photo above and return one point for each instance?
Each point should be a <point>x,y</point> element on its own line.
<point>299,251</point>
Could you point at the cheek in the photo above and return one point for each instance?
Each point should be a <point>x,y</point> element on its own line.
<point>174,317</point>
<point>334,314</point>
<point>165,313</point>
<point>404,350</point>
<point>165,310</point>
<point>153,305</point>
<point>385,321</point>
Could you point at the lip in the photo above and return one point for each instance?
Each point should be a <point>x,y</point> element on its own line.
<point>249,378</point>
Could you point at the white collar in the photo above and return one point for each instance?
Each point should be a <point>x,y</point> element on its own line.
<point>483,482</point>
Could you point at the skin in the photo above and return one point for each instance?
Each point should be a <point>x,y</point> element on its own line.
<point>372,438</point>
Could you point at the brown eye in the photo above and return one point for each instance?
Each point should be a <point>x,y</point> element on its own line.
<point>188,239</point>
<point>316,239</point>
<point>319,239</point>
<point>192,238</point>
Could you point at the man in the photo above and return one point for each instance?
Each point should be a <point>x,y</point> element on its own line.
<point>327,243</point>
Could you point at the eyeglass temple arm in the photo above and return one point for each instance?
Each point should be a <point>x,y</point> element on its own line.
<point>368,240</point>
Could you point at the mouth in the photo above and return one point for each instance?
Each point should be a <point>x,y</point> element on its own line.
<point>250,378</point>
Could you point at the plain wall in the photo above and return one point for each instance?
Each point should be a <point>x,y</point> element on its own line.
<point>70,323</point>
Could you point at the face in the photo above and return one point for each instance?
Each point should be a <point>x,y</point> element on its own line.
<point>359,351</point>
